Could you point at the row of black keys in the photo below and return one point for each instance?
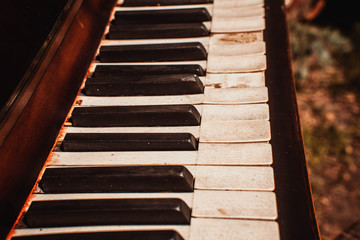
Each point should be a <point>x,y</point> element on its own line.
<point>150,24</point>
<point>111,211</point>
<point>129,81</point>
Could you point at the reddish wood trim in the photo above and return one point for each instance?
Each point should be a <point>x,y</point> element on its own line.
<point>27,146</point>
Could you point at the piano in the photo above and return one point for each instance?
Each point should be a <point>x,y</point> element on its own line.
<point>156,119</point>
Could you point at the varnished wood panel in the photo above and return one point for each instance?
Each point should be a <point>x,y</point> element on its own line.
<point>25,150</point>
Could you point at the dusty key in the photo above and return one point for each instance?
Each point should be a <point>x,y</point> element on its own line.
<point>125,158</point>
<point>146,85</point>
<point>153,52</point>
<point>239,229</point>
<point>156,31</point>
<point>117,179</point>
<point>133,3</point>
<point>106,212</point>
<point>124,235</point>
<point>234,204</point>
<point>142,70</point>
<point>128,142</point>
<point>241,131</point>
<point>133,116</point>
<point>186,15</point>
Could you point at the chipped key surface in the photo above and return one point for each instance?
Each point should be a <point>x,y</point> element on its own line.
<point>235,80</point>
<point>234,204</point>
<point>243,37</point>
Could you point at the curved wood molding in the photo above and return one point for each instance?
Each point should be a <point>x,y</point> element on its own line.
<point>296,215</point>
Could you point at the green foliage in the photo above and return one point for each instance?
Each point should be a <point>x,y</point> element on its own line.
<point>324,142</point>
<point>324,46</point>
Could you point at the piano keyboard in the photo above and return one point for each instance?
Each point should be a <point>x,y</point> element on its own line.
<point>169,135</point>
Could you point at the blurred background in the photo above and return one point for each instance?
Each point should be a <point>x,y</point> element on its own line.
<point>325,42</point>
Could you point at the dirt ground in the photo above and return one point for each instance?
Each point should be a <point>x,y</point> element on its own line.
<point>326,64</point>
<point>334,170</point>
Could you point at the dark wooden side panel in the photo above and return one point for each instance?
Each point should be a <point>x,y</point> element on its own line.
<point>27,146</point>
<point>295,207</point>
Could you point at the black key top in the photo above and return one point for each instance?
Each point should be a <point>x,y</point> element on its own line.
<point>147,85</point>
<point>153,52</point>
<point>117,179</point>
<point>62,213</point>
<point>135,116</point>
<point>154,31</point>
<point>123,235</point>
<point>187,15</point>
<point>143,70</point>
<point>133,3</point>
<point>129,142</point>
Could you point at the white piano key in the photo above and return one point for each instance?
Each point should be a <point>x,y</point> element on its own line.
<point>235,95</point>
<point>235,131</point>
<point>122,158</point>
<point>140,100</point>
<point>234,204</point>
<point>194,130</point>
<point>233,229</point>
<point>235,112</point>
<point>209,7</point>
<point>187,197</point>
<point>237,3</point>
<point>239,12</point>
<point>183,230</point>
<point>234,154</point>
<point>236,64</point>
<point>234,24</point>
<point>198,108</point>
<point>223,48</point>
<point>235,80</point>
<point>208,154</point>
<point>95,63</point>
<point>233,178</point>
<point>203,40</point>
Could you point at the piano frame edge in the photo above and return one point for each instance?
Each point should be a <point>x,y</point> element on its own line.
<point>296,214</point>
<point>30,140</point>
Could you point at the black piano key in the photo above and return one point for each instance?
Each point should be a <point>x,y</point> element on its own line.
<point>153,52</point>
<point>134,3</point>
<point>143,70</point>
<point>123,235</point>
<point>147,85</point>
<point>129,142</point>
<point>61,213</point>
<point>187,15</point>
<point>117,179</point>
<point>155,31</point>
<point>135,116</point>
